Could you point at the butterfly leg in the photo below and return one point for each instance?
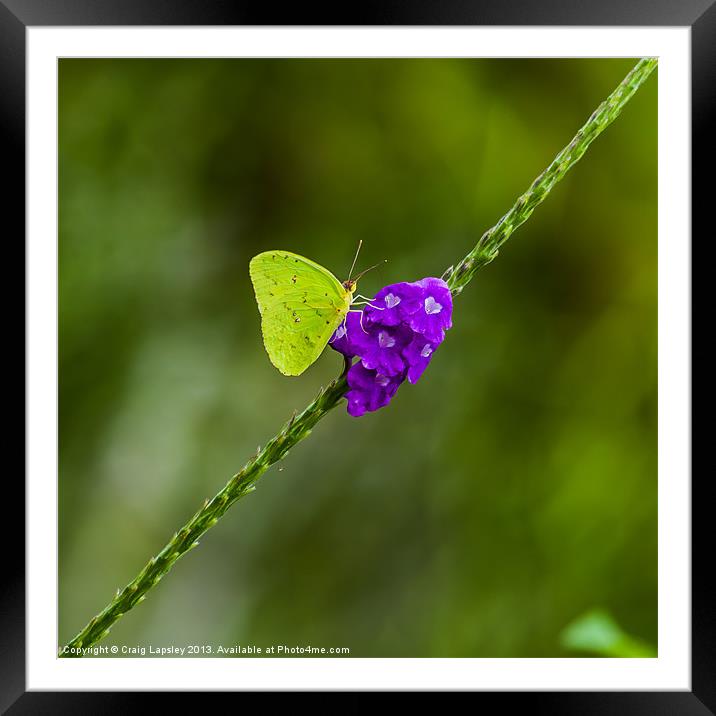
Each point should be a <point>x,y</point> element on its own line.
<point>360,320</point>
<point>344,325</point>
<point>367,303</point>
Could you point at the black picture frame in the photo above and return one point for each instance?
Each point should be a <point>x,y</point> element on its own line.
<point>699,15</point>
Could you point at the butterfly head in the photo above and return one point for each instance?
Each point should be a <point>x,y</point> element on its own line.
<point>350,284</point>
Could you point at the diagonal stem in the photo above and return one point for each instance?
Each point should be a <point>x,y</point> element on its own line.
<point>488,245</point>
<point>295,430</point>
<point>300,426</point>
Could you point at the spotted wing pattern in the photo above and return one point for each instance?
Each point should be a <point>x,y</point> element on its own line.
<point>301,304</point>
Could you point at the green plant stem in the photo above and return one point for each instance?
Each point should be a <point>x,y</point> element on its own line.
<point>296,429</point>
<point>300,426</point>
<point>489,244</point>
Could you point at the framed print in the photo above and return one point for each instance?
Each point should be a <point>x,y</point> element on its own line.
<point>359,353</point>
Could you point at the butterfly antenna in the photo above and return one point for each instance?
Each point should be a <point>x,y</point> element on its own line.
<point>355,258</point>
<point>363,273</point>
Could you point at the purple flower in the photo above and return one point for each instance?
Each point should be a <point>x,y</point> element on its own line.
<point>348,337</point>
<point>379,347</point>
<point>383,349</point>
<point>393,304</point>
<point>418,354</point>
<point>369,389</point>
<point>394,338</point>
<point>434,316</point>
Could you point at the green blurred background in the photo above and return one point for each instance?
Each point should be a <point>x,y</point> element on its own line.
<point>510,491</point>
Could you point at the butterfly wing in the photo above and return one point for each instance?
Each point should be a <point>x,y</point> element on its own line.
<point>301,304</point>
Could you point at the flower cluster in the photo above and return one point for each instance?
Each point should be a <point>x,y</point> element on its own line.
<point>395,338</point>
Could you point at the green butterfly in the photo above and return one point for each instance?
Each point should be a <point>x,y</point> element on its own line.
<point>301,305</point>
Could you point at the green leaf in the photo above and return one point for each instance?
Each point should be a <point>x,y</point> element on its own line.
<point>597,632</point>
